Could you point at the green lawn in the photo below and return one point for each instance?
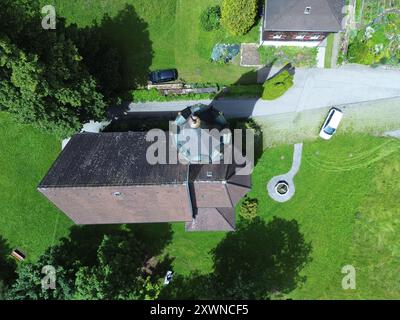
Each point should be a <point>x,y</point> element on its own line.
<point>27,220</point>
<point>345,204</point>
<point>175,33</point>
<point>343,211</point>
<point>298,56</point>
<point>329,50</point>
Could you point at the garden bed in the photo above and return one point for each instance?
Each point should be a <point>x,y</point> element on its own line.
<point>378,42</point>
<point>298,56</point>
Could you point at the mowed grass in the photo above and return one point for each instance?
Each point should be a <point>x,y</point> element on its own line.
<point>175,33</point>
<point>27,220</point>
<point>341,213</point>
<point>346,205</point>
<point>329,51</point>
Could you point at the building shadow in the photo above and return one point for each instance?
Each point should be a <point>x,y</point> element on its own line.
<point>265,72</point>
<point>259,261</point>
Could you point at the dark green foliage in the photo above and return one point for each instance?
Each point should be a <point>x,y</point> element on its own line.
<point>7,268</point>
<point>248,209</point>
<point>277,85</point>
<point>238,16</point>
<point>117,272</point>
<point>196,286</point>
<point>144,95</point>
<point>3,291</point>
<point>43,78</point>
<point>210,18</point>
<point>99,262</point>
<point>29,286</point>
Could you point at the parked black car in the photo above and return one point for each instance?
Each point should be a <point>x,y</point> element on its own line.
<point>160,76</point>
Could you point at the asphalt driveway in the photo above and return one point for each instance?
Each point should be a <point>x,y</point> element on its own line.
<point>314,89</point>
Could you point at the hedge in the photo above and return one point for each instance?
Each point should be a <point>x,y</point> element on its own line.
<point>277,86</point>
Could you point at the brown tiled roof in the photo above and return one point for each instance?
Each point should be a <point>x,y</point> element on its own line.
<point>210,194</point>
<point>212,219</point>
<point>236,192</point>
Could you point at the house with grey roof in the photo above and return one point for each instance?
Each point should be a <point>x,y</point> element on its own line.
<point>106,178</point>
<point>300,22</point>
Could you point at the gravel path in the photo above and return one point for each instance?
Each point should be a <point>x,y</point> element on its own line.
<point>287,177</point>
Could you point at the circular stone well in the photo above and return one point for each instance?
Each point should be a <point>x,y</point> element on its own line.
<point>282,188</point>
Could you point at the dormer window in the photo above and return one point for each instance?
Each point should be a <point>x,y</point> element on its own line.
<point>209,174</point>
<point>307,10</point>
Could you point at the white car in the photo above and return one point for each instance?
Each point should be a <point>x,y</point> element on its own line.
<point>331,123</point>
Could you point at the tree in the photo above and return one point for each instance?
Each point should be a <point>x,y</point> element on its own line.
<point>43,78</point>
<point>7,268</point>
<point>238,16</point>
<point>210,18</point>
<point>277,85</point>
<point>28,285</point>
<point>117,274</point>
<point>58,94</point>
<point>99,262</point>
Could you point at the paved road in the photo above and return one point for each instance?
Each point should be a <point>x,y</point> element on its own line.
<point>373,117</point>
<point>313,89</point>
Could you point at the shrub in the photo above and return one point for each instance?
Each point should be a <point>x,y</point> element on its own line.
<point>238,16</point>
<point>248,209</point>
<point>277,86</point>
<point>210,19</point>
<point>144,95</point>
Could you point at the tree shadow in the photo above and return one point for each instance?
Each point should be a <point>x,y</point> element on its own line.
<point>267,259</point>
<point>117,51</point>
<point>80,247</point>
<point>7,264</point>
<point>140,124</point>
<point>258,261</point>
